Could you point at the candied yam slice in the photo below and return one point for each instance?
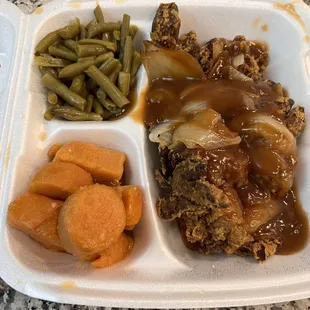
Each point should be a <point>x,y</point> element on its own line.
<point>91,220</point>
<point>46,234</point>
<point>105,166</point>
<point>30,210</point>
<point>132,198</point>
<point>130,227</point>
<point>59,180</point>
<point>115,253</point>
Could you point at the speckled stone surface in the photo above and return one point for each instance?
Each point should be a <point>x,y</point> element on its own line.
<point>12,300</point>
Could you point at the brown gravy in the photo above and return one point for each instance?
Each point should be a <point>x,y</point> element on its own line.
<point>165,99</point>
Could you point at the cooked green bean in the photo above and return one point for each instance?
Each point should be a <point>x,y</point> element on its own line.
<point>71,44</point>
<point>58,52</point>
<point>83,32</point>
<point>102,58</point>
<point>117,35</point>
<point>93,22</point>
<point>101,95</point>
<point>72,114</point>
<point>70,31</point>
<point>75,69</point>
<point>45,55</point>
<point>124,33</point>
<point>124,82</point>
<point>87,58</point>
<point>133,30</point>
<point>52,98</point>
<point>48,114</point>
<point>89,103</point>
<point>97,107</point>
<point>53,62</point>
<point>109,45</point>
<point>106,36</point>
<point>47,41</point>
<point>135,64</point>
<point>63,91</point>
<point>62,47</point>
<point>98,14</point>
<point>90,50</point>
<point>109,105</point>
<point>114,75</point>
<point>127,55</point>
<point>102,27</point>
<point>105,83</point>
<point>77,84</point>
<point>108,66</point>
<point>49,70</point>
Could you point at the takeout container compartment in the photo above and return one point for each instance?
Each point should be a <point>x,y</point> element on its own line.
<point>160,272</point>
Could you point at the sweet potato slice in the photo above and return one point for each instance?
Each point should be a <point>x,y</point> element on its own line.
<point>105,166</point>
<point>91,220</point>
<point>130,227</point>
<point>132,198</point>
<point>30,210</point>
<point>59,180</point>
<point>115,253</point>
<point>46,234</point>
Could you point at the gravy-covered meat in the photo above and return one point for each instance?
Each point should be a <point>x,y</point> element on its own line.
<point>227,143</point>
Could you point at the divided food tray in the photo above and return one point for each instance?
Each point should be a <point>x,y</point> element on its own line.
<point>160,272</point>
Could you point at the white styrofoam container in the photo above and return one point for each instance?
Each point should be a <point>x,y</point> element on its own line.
<point>160,272</point>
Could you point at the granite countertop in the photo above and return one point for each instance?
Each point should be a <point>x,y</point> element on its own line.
<point>13,300</point>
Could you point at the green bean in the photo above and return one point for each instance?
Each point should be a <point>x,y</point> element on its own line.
<point>117,35</point>
<point>124,82</point>
<point>114,75</point>
<point>70,31</point>
<point>109,105</point>
<point>62,47</point>
<point>58,52</point>
<point>98,14</point>
<point>87,58</point>
<point>49,70</point>
<point>77,84</point>
<point>102,27</point>
<point>124,34</point>
<point>97,107</point>
<point>105,83</point>
<point>102,58</point>
<point>83,32</point>
<point>75,69</point>
<point>47,56</point>
<point>135,64</point>
<point>53,62</point>
<point>63,91</point>
<point>92,23</point>
<point>133,30</point>
<point>101,95</point>
<point>48,114</point>
<point>89,103</point>
<point>71,114</point>
<point>106,36</point>
<point>71,44</point>
<point>47,41</point>
<point>52,98</point>
<point>108,66</point>
<point>109,45</point>
<point>90,50</point>
<point>127,55</point>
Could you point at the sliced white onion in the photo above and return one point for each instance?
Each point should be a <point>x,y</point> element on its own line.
<point>162,133</point>
<point>275,133</point>
<point>205,131</point>
<point>194,107</point>
<point>164,63</point>
<point>238,60</point>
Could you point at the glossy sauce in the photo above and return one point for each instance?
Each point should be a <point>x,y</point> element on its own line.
<point>165,100</point>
